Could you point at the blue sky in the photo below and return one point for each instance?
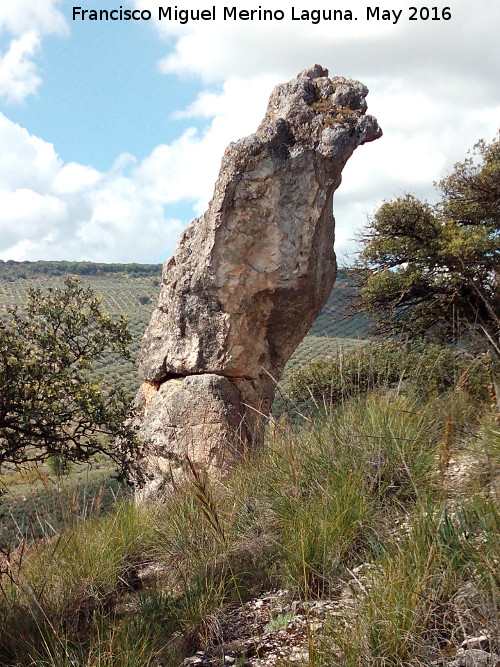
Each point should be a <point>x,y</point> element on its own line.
<point>111,132</point>
<point>104,78</point>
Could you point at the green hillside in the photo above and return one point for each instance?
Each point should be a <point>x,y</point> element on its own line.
<point>132,289</point>
<point>334,321</point>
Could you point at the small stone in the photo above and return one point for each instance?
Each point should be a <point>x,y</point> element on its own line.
<point>346,592</point>
<point>300,656</point>
<point>314,626</point>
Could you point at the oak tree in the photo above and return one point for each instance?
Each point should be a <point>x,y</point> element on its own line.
<point>434,270</point>
<point>50,402</point>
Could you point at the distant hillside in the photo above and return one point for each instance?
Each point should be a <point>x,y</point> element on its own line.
<point>334,320</point>
<point>11,270</point>
<point>132,289</point>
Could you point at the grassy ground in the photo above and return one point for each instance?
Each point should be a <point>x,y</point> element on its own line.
<point>372,485</point>
<point>35,502</point>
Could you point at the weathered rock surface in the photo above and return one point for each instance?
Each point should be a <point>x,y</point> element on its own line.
<point>249,277</point>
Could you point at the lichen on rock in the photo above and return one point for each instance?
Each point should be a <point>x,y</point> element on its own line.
<point>248,277</point>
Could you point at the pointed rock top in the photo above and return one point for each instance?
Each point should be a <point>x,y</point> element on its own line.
<point>313,72</point>
<point>316,111</point>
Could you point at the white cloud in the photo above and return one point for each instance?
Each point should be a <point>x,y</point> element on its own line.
<point>428,52</point>
<point>187,168</point>
<point>73,178</point>
<point>27,22</point>
<point>423,137</point>
<point>22,206</point>
<point>52,210</point>
<point>26,161</point>
<point>22,16</point>
<point>18,76</point>
<point>73,211</point>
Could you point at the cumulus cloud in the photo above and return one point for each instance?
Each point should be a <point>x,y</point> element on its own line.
<point>18,76</point>
<point>52,210</point>
<point>22,16</point>
<point>424,135</point>
<point>27,22</point>
<point>423,52</point>
<point>55,210</point>
<point>187,168</point>
<point>74,211</point>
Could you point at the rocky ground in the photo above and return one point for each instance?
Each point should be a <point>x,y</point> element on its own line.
<point>274,630</point>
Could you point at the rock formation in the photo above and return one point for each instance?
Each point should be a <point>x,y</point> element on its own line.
<point>247,279</point>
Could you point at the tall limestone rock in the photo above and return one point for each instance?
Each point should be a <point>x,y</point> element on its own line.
<point>247,279</point>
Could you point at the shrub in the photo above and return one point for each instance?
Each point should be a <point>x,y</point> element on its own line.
<point>430,368</point>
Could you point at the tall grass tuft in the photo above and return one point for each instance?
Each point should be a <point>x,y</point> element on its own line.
<point>52,592</point>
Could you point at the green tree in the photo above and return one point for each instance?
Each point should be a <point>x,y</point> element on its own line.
<point>49,403</point>
<point>433,270</point>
